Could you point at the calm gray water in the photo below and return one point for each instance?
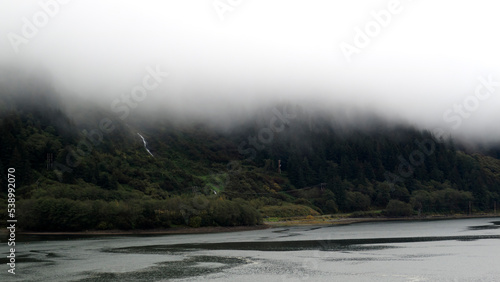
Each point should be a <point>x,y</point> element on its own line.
<point>445,250</point>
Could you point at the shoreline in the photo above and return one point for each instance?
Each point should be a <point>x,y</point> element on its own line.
<point>267,224</point>
<point>174,230</point>
<point>353,220</point>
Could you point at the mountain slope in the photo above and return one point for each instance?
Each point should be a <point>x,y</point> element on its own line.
<point>203,175</point>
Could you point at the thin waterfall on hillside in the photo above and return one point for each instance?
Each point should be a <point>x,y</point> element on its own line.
<point>145,144</point>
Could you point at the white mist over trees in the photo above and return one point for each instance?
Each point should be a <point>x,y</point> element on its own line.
<point>416,61</point>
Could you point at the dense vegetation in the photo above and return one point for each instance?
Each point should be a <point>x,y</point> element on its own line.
<point>202,175</point>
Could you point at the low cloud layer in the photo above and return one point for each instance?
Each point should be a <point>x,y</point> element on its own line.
<point>436,65</point>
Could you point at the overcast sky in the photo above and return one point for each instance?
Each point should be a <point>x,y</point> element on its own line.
<point>410,60</point>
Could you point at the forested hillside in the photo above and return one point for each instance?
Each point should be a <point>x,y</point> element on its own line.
<point>75,173</point>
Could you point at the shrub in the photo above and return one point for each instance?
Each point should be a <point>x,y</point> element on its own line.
<point>357,201</point>
<point>195,221</point>
<point>398,208</point>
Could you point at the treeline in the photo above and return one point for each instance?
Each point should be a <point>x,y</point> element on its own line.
<point>448,201</point>
<point>61,214</point>
<point>325,168</point>
<point>364,169</point>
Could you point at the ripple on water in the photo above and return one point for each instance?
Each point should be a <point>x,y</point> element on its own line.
<point>188,267</point>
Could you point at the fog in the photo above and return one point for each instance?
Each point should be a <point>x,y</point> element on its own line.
<point>435,65</point>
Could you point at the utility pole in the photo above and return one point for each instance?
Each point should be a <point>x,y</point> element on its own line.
<point>279,166</point>
<point>50,161</point>
<point>322,185</point>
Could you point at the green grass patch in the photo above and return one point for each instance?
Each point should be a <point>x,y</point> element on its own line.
<point>291,210</point>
